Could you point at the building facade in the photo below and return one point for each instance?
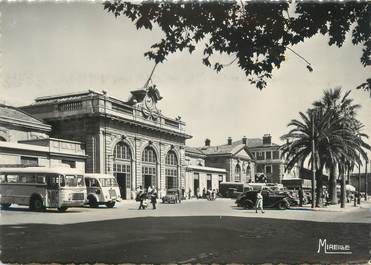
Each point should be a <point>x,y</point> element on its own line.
<point>24,141</point>
<point>269,163</point>
<point>131,139</point>
<point>199,177</point>
<point>234,157</point>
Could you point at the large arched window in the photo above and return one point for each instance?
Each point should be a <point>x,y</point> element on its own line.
<point>237,173</point>
<point>149,163</point>
<point>248,172</point>
<point>171,170</point>
<point>122,167</point>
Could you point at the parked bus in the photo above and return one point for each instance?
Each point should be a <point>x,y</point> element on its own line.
<point>40,188</point>
<point>102,189</point>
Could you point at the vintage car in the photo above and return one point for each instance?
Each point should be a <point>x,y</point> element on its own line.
<point>270,200</point>
<point>171,196</point>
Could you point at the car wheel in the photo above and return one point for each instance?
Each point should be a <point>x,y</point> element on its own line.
<point>5,206</point>
<point>62,209</point>
<point>282,205</point>
<point>110,204</point>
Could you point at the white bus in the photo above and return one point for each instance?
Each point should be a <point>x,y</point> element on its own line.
<point>102,189</point>
<point>40,188</point>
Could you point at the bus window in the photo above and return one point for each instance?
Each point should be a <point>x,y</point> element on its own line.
<point>23,179</point>
<point>74,181</point>
<point>40,179</point>
<point>80,181</point>
<point>94,182</point>
<point>52,182</point>
<point>12,178</point>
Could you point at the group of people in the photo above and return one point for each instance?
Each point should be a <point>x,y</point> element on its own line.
<point>143,196</point>
<point>209,194</point>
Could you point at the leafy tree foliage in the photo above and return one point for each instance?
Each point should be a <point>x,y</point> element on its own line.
<point>337,136</point>
<point>255,34</point>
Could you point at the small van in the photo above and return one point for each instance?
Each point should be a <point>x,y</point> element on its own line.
<point>102,189</point>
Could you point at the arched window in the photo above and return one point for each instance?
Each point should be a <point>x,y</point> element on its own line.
<point>122,151</point>
<point>171,170</point>
<point>237,173</point>
<point>149,162</point>
<point>122,167</point>
<point>149,155</point>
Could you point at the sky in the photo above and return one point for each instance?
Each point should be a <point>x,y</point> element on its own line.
<point>53,48</point>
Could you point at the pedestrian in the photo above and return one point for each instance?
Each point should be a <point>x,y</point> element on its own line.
<point>301,196</point>
<point>178,192</point>
<point>142,196</point>
<point>189,193</point>
<point>149,190</point>
<point>154,198</point>
<point>204,193</point>
<point>197,193</point>
<point>259,202</point>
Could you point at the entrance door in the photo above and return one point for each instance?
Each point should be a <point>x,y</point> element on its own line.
<point>121,181</point>
<point>196,185</point>
<point>147,181</point>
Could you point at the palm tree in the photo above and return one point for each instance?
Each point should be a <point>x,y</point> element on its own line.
<point>336,135</point>
<point>342,106</point>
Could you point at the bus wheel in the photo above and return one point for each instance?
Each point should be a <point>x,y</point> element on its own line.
<point>92,202</point>
<point>62,209</point>
<point>36,204</point>
<point>110,204</point>
<point>5,206</point>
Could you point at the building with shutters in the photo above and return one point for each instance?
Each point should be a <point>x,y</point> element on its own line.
<point>131,139</point>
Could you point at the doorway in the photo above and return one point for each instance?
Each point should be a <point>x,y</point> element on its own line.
<point>121,181</point>
<point>196,186</point>
<point>147,181</point>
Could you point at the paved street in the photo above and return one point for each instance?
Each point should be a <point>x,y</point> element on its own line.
<point>191,232</point>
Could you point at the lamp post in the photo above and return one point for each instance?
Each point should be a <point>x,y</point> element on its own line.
<point>366,180</point>
<point>359,184</point>
<point>313,164</point>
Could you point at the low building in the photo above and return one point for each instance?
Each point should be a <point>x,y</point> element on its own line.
<point>234,157</point>
<point>198,176</point>
<point>24,141</point>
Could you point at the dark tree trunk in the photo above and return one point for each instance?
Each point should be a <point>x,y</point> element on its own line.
<point>332,187</point>
<point>318,188</point>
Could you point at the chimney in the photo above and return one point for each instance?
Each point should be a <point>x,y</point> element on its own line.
<point>207,142</point>
<point>229,140</point>
<point>244,140</point>
<point>267,139</point>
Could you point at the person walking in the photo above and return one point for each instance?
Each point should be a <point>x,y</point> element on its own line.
<point>154,198</point>
<point>198,193</point>
<point>259,202</point>
<point>142,196</point>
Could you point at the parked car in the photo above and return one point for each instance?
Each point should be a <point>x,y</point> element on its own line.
<point>171,196</point>
<point>270,200</point>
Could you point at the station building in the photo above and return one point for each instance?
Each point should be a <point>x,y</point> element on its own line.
<point>131,139</point>
<point>25,141</point>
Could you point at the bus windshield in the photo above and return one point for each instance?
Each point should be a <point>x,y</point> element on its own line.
<point>108,182</point>
<point>72,181</point>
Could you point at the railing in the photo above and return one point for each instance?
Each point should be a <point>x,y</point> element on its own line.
<point>70,106</point>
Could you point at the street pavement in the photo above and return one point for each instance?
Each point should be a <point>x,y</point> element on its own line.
<point>191,232</point>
